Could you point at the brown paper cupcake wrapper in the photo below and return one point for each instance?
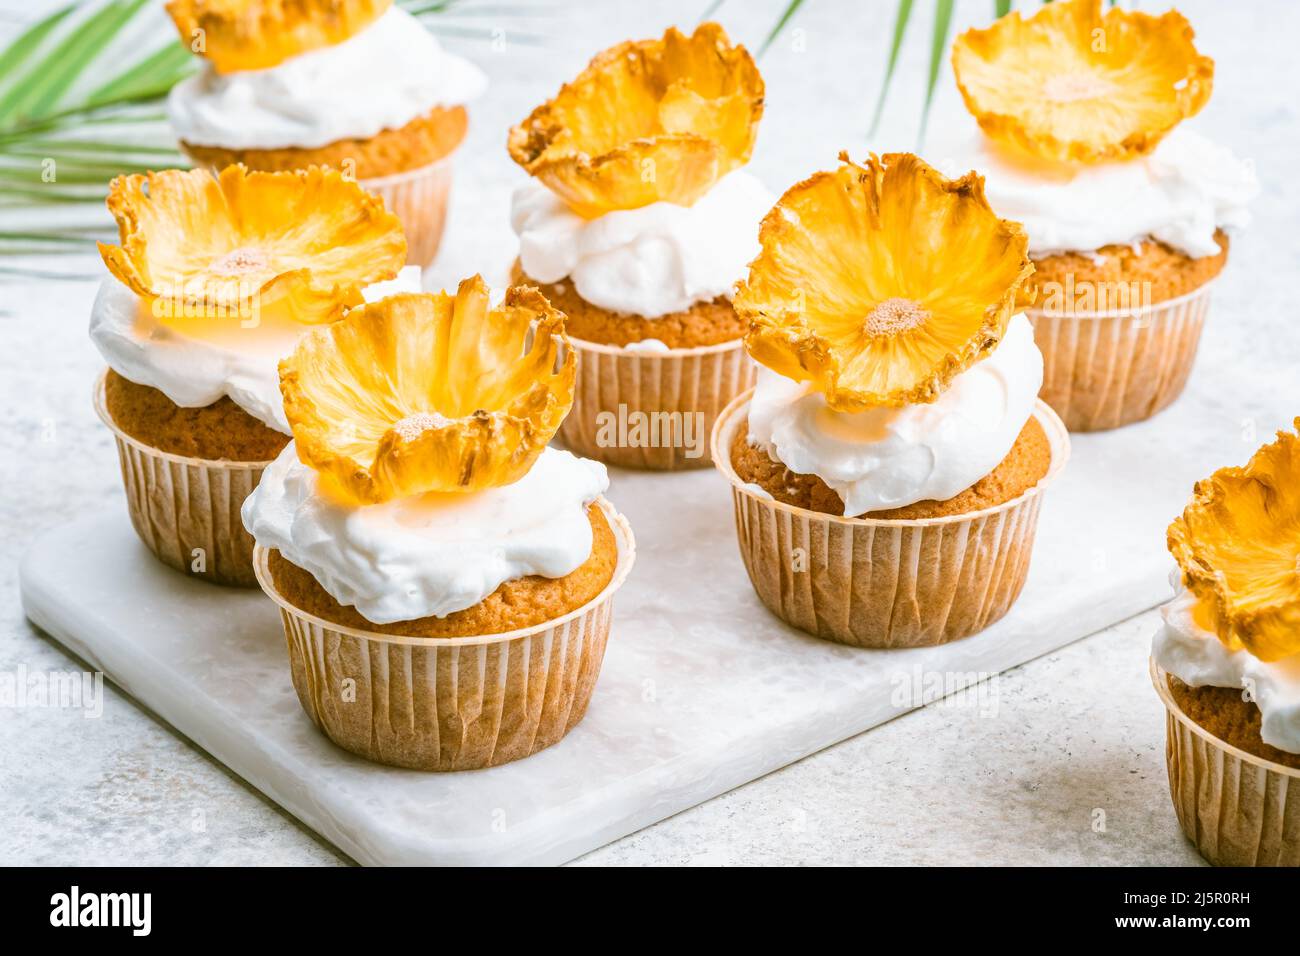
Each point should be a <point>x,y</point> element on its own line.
<point>186,510</point>
<point>885,583</point>
<point>419,199</point>
<point>1236,808</point>
<point>652,410</point>
<point>459,703</point>
<point>1107,369</point>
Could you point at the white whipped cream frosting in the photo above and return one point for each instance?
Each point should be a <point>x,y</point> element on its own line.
<point>391,72</point>
<point>892,457</point>
<point>432,554</point>
<point>652,261</point>
<point>1198,658</point>
<point>204,362</point>
<point>1179,194</point>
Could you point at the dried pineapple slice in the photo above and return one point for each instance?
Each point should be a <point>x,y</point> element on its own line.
<point>1238,544</point>
<point>255,34</point>
<point>878,283</point>
<point>420,393</point>
<point>302,242</point>
<point>646,121</point>
<point>1072,84</point>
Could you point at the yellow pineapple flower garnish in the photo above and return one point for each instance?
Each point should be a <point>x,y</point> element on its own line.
<point>646,121</point>
<point>1075,85</point>
<point>420,393</point>
<point>878,283</point>
<point>199,246</point>
<point>256,34</point>
<point>1238,544</point>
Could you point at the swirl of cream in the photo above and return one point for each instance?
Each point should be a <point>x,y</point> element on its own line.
<point>390,73</point>
<point>651,261</point>
<point>1179,194</point>
<point>1197,657</point>
<point>198,364</point>
<point>892,457</point>
<point>431,554</point>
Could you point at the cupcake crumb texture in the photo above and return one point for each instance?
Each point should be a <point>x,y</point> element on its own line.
<point>1111,269</point>
<point>704,323</point>
<point>221,431</point>
<point>1022,468</point>
<point>421,142</point>
<point>1222,712</point>
<point>522,602</point>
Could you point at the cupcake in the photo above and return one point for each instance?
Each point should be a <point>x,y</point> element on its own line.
<point>212,283</point>
<point>1128,216</point>
<point>358,85</point>
<point>888,468</point>
<point>637,222</point>
<point>445,579</point>
<point>1226,662</point>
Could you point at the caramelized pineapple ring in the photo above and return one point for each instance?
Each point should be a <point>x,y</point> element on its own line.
<point>879,283</point>
<point>420,393</point>
<point>1073,85</point>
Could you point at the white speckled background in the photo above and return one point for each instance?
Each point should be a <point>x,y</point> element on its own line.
<point>1074,732</point>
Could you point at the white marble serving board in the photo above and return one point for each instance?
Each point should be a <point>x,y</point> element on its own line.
<point>702,689</point>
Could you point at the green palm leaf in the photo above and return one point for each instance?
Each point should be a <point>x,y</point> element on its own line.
<point>149,79</point>
<point>900,29</point>
<point>44,85</point>
<point>938,49</point>
<point>61,144</point>
<point>775,32</point>
<point>26,44</point>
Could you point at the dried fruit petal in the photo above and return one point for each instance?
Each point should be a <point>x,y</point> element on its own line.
<point>1238,544</point>
<point>420,393</point>
<point>256,34</point>
<point>880,282</point>
<point>305,242</point>
<point>1072,84</point>
<point>646,121</point>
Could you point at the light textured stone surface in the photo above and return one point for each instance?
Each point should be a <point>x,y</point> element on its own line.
<point>1074,732</point>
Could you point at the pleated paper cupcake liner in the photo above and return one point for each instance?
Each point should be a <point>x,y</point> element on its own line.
<point>418,198</point>
<point>652,410</point>
<point>1236,808</point>
<point>444,704</point>
<point>885,583</point>
<point>1106,369</point>
<point>186,510</point>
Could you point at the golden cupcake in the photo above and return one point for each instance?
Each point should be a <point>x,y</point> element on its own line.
<point>637,220</point>
<point>212,282</point>
<point>1128,212</point>
<point>445,579</point>
<point>1226,662</point>
<point>888,468</point>
<point>358,85</point>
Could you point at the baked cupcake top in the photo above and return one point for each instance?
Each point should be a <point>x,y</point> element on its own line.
<point>280,74</point>
<point>1077,112</point>
<point>419,479</point>
<point>883,309</point>
<point>637,191</point>
<point>1235,617</point>
<point>214,279</point>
